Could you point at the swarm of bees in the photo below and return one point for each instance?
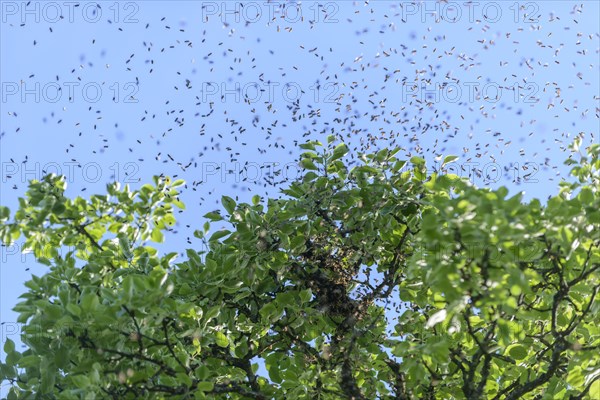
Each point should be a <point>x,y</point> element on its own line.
<point>224,103</point>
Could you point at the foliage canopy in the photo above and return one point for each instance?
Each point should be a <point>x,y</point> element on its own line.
<point>377,281</point>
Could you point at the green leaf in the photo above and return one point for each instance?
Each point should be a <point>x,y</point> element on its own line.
<point>89,302</point>
<point>74,309</point>
<point>417,161</point>
<point>59,208</point>
<point>339,151</point>
<point>194,257</point>
<point>48,375</point>
<point>305,295</point>
<point>449,159</point>
<point>575,378</point>
<point>9,346</point>
<point>517,352</point>
<point>125,247</point>
<point>128,288</point>
<point>218,235</point>
<point>179,204</point>
<point>312,145</point>
<point>169,220</point>
<point>29,361</point>
<point>307,146</point>
<point>61,357</point>
<point>307,163</point>
<point>80,381</point>
<point>4,213</point>
<point>221,340</point>
<point>205,386</point>
<point>177,183</point>
<point>586,195</point>
<point>228,203</point>
<point>213,216</point>
<point>157,235</point>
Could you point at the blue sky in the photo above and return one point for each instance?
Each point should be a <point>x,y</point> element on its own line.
<point>216,92</point>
